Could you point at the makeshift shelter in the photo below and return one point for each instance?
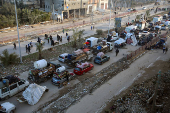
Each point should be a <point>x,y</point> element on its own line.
<point>33,93</point>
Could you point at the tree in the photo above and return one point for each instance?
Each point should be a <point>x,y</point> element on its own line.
<point>147,14</point>
<point>75,36</point>
<point>138,17</point>
<point>39,48</point>
<point>7,58</point>
<point>81,33</point>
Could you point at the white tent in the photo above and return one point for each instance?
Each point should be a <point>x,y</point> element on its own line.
<point>33,93</point>
<point>121,40</point>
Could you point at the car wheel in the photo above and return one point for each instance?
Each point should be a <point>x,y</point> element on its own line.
<point>101,63</point>
<point>92,68</point>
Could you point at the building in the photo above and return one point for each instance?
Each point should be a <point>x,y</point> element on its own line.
<point>94,5</point>
<point>64,9</point>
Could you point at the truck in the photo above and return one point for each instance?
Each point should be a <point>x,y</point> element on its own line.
<point>103,46</point>
<point>79,55</point>
<point>42,74</point>
<point>7,107</point>
<point>32,94</point>
<point>101,58</point>
<point>11,85</point>
<point>61,76</point>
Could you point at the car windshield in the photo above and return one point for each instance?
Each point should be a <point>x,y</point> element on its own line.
<point>77,69</point>
<point>60,57</point>
<point>97,58</point>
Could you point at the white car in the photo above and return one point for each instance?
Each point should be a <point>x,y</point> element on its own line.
<point>63,57</point>
<point>144,8</point>
<point>7,107</point>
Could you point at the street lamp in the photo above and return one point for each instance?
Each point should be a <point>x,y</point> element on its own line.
<point>18,32</point>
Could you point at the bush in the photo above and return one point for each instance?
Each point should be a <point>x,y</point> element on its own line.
<point>7,58</point>
<point>99,32</point>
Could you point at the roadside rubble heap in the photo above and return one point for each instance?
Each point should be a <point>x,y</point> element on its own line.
<point>88,86</point>
<point>140,97</point>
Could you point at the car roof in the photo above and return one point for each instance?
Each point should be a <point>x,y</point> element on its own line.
<point>64,54</point>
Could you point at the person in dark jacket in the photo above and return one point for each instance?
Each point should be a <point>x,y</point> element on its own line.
<point>26,49</point>
<point>14,45</point>
<point>117,51</point>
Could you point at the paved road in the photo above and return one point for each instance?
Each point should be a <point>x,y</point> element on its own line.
<point>93,103</point>
<point>102,25</point>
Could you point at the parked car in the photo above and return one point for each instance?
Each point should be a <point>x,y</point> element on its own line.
<point>129,10</point>
<point>101,60</point>
<point>63,57</point>
<point>7,107</point>
<point>143,8</point>
<point>83,68</point>
<point>164,28</point>
<point>13,86</point>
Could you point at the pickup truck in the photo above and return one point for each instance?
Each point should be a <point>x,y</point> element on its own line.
<point>11,85</point>
<point>101,60</point>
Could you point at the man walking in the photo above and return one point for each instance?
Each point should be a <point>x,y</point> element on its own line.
<point>91,27</point>
<point>117,51</point>
<point>164,49</point>
<point>14,45</point>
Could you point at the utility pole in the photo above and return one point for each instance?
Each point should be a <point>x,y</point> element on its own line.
<point>109,19</point>
<point>53,13</point>
<point>18,32</point>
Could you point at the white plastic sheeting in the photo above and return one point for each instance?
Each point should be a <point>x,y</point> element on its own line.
<point>61,69</point>
<point>83,65</point>
<point>120,41</point>
<point>134,40</point>
<point>100,54</point>
<point>33,93</point>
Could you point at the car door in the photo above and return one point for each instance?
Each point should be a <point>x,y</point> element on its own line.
<point>21,85</point>
<point>5,92</point>
<point>13,89</point>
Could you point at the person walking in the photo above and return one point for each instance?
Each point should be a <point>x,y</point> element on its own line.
<point>26,48</point>
<point>66,33</point>
<point>164,49</point>
<point>38,40</point>
<point>91,27</point>
<point>48,39</point>
<point>31,44</point>
<point>61,39</point>
<point>63,30</point>
<point>14,45</point>
<point>68,38</point>
<point>117,51</point>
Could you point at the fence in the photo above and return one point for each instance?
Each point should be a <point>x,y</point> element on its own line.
<point>141,49</point>
<point>55,29</point>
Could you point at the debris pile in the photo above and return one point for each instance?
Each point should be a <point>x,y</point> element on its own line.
<point>140,97</point>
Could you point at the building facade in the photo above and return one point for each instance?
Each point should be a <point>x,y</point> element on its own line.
<point>64,9</point>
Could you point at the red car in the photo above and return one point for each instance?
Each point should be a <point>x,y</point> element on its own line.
<point>83,68</point>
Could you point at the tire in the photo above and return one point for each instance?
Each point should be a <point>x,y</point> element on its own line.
<point>92,68</point>
<point>101,63</point>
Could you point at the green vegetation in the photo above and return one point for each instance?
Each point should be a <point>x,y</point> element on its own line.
<point>25,16</point>
<point>39,47</point>
<point>99,32</point>
<point>7,58</point>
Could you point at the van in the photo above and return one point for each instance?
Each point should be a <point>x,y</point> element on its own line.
<point>8,90</point>
<point>63,57</point>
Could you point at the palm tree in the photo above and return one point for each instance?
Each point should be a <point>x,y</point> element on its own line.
<point>75,36</point>
<point>39,47</point>
<point>81,33</point>
<point>138,17</point>
<point>147,14</point>
<point>7,58</point>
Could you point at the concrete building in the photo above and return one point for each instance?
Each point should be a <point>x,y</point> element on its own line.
<point>64,9</point>
<point>94,5</point>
